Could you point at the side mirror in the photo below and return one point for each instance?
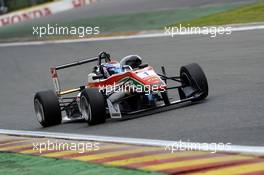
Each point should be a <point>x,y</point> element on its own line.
<point>98,77</point>
<point>143,65</point>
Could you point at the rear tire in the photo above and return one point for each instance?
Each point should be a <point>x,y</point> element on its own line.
<point>192,75</point>
<point>47,108</point>
<point>92,106</point>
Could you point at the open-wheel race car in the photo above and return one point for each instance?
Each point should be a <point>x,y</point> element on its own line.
<point>117,90</point>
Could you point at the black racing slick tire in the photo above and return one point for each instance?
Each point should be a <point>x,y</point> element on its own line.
<point>92,106</point>
<point>47,108</point>
<point>192,75</point>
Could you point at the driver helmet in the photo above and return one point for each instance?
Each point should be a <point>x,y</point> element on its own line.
<point>113,67</point>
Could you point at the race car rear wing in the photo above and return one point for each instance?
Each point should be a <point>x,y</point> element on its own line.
<point>76,63</point>
<point>54,74</point>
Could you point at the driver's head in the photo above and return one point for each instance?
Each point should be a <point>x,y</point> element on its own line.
<point>113,67</point>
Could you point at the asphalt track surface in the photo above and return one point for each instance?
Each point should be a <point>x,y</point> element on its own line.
<point>234,111</point>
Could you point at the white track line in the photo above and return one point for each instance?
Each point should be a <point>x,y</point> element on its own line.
<point>135,141</point>
<point>137,36</point>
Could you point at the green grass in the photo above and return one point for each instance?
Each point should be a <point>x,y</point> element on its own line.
<point>244,14</point>
<point>18,164</point>
<point>147,20</point>
<point>131,22</point>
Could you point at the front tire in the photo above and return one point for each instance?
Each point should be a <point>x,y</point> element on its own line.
<point>47,108</point>
<point>193,76</point>
<point>92,106</point>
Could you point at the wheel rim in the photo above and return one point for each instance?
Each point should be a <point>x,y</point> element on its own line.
<point>39,110</point>
<point>86,109</point>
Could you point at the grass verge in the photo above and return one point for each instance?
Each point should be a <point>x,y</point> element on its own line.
<point>18,164</point>
<point>244,14</point>
<point>132,22</point>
